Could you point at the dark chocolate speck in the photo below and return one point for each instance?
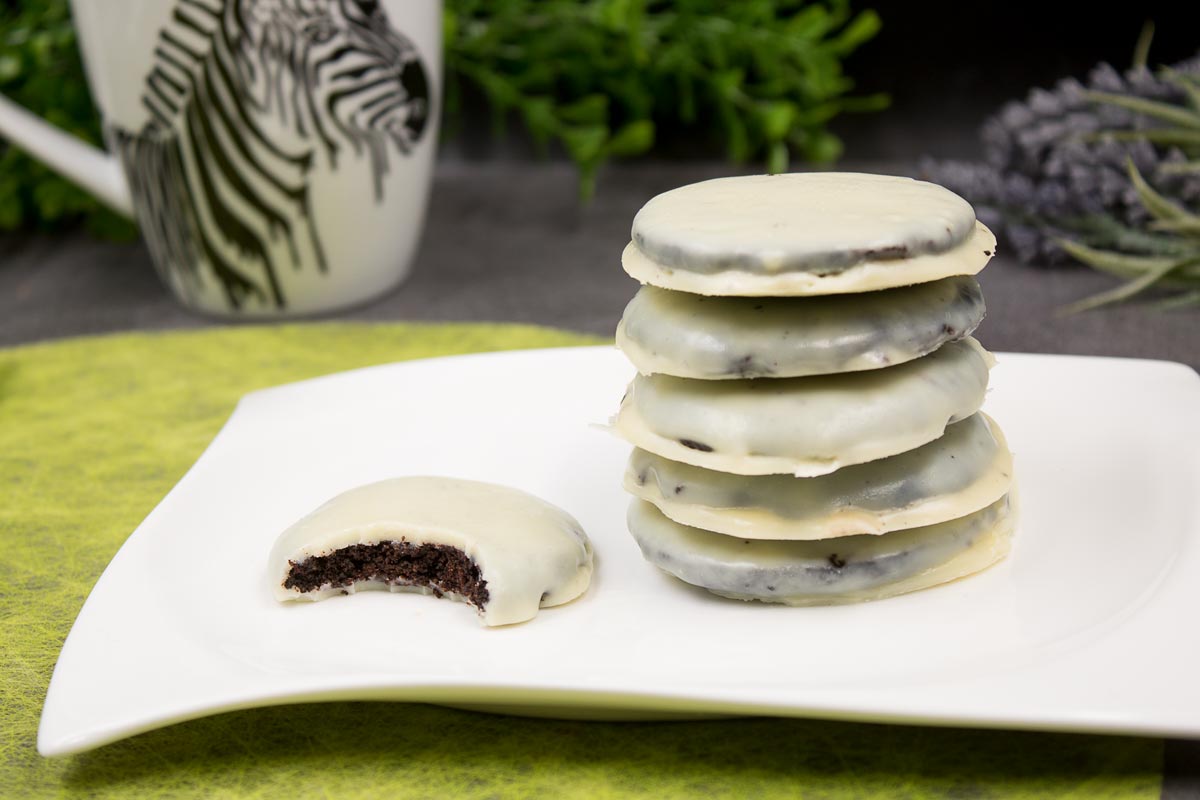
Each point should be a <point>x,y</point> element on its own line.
<point>692,444</point>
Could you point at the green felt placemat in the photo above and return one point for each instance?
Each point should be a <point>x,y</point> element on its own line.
<point>93,432</point>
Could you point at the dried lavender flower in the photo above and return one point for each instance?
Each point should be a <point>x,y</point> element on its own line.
<point>1056,165</point>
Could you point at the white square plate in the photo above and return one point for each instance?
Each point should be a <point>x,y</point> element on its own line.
<point>1090,625</point>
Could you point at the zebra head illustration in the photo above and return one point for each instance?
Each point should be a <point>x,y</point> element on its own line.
<point>244,98</point>
<point>337,69</point>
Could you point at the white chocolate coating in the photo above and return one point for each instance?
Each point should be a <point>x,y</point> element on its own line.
<point>530,553</point>
<point>804,426</point>
<point>868,276</point>
<point>807,233</point>
<point>848,570</point>
<point>965,470</point>
<point>720,338</point>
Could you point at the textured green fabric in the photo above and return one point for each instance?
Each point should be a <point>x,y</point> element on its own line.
<point>93,433</point>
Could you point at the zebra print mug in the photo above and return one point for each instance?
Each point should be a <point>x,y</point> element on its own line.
<point>276,154</point>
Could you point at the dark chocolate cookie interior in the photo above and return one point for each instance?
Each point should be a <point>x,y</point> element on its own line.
<point>441,568</point>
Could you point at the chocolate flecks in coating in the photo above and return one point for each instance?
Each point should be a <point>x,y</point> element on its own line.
<point>692,444</point>
<point>435,566</point>
<point>836,562</point>
<point>746,367</point>
<point>987,252</point>
<point>949,330</point>
<point>641,478</point>
<point>893,253</point>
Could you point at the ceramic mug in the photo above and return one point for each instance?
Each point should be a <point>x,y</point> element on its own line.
<point>276,154</point>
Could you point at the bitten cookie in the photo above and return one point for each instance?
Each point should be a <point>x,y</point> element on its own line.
<point>503,551</point>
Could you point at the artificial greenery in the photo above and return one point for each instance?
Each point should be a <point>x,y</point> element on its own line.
<point>1104,171</point>
<point>610,77</point>
<point>40,69</point>
<point>600,78</point>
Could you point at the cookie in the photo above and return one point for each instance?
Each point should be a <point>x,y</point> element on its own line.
<point>503,551</point>
<point>805,234</point>
<point>804,426</point>
<point>848,570</point>
<point>722,338</point>
<point>966,469</point>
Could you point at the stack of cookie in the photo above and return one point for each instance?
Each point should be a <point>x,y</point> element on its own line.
<point>806,414</point>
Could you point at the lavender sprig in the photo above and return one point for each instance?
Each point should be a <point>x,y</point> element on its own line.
<point>1087,170</point>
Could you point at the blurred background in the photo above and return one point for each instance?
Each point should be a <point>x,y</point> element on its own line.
<point>561,118</point>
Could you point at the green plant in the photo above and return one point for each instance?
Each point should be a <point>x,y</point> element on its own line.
<point>607,78</point>
<point>601,78</point>
<point>40,69</point>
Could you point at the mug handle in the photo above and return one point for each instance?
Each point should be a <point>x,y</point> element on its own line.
<point>91,168</point>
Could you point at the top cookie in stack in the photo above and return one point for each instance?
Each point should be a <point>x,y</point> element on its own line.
<point>805,234</point>
<point>805,416</point>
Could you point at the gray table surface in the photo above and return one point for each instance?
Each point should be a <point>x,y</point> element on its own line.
<point>509,242</point>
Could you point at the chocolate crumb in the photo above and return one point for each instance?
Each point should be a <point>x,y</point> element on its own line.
<point>692,444</point>
<point>837,562</point>
<point>679,489</point>
<point>987,252</point>
<point>438,567</point>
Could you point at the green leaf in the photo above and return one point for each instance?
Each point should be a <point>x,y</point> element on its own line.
<point>1141,51</point>
<point>777,158</point>
<point>1168,136</point>
<point>1179,168</point>
<point>10,212</point>
<point>1190,87</point>
<point>632,139</point>
<point>538,114</point>
<point>1181,300</point>
<point>449,25</point>
<point>823,147</point>
<point>813,22</point>
<point>863,28</point>
<point>1155,203</point>
<point>1151,108</point>
<point>776,118</point>
<point>617,15</point>
<point>1127,290</point>
<point>585,143</point>
<point>1187,227</point>
<point>1120,264</point>
<point>738,137</point>
<point>10,67</point>
<point>1123,265</point>
<point>593,108</point>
